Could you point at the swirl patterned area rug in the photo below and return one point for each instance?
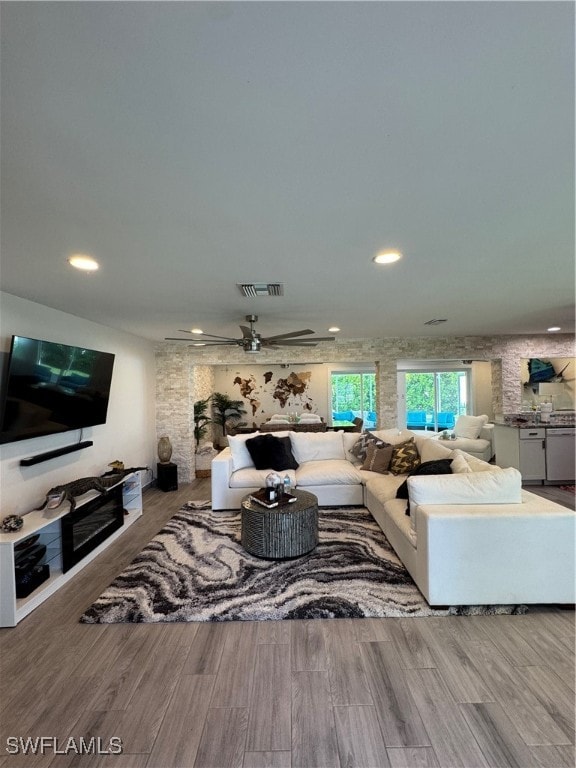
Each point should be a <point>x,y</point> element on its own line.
<point>195,569</point>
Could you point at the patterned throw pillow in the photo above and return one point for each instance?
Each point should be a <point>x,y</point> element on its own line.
<point>405,458</point>
<point>377,458</point>
<point>360,449</point>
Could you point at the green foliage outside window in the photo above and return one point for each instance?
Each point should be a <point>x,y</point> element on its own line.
<point>420,395</point>
<point>353,392</point>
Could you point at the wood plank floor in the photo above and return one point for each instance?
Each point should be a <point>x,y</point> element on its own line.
<point>453,692</point>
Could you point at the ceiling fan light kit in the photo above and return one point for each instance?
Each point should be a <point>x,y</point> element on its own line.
<point>252,342</point>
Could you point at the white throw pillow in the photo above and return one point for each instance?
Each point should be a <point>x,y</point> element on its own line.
<point>500,486</point>
<point>475,464</point>
<point>311,418</point>
<point>430,450</point>
<point>469,426</point>
<point>317,446</point>
<point>240,455</point>
<point>350,439</point>
<point>459,465</point>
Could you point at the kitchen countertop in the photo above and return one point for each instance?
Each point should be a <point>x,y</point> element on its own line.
<point>554,423</point>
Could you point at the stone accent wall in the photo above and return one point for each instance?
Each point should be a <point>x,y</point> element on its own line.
<point>175,406</point>
<point>183,373</point>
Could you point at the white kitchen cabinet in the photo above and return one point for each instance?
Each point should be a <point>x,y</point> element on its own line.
<point>522,448</point>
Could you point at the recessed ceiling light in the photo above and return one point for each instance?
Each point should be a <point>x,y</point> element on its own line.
<point>554,328</point>
<point>333,329</point>
<point>196,330</point>
<point>83,262</point>
<point>387,257</point>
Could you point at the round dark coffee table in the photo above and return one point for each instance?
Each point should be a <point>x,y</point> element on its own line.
<point>288,530</point>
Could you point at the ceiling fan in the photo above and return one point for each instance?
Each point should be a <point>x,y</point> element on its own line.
<point>251,341</point>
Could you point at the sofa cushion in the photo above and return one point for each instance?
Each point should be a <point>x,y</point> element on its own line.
<point>250,477</point>
<point>350,440</point>
<point>317,446</point>
<point>436,467</point>
<point>309,418</point>
<point>395,511</point>
<point>499,486</point>
<point>271,452</point>
<point>469,426</point>
<point>378,458</point>
<point>327,472</point>
<point>460,465</point>
<point>405,458</point>
<point>476,465</point>
<point>382,487</point>
<point>393,436</point>
<point>432,449</point>
<point>240,454</point>
<point>467,444</point>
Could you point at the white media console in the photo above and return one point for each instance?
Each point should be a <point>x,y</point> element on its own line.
<point>47,525</point>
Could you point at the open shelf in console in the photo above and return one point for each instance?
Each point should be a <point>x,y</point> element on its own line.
<point>46,524</point>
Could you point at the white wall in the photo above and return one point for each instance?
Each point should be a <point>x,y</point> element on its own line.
<point>129,433</point>
<point>482,389</point>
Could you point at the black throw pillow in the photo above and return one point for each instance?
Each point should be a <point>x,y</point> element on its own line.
<point>269,452</point>
<point>436,467</point>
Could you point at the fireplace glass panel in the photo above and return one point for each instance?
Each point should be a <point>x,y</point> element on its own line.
<point>89,525</point>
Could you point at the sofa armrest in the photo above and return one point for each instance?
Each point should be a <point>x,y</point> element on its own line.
<point>222,468</point>
<point>500,553</point>
<point>487,432</point>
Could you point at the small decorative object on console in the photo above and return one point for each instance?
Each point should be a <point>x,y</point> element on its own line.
<point>69,491</point>
<point>12,523</point>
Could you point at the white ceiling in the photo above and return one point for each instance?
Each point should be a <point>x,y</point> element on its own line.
<point>190,146</point>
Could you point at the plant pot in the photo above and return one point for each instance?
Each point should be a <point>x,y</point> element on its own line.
<point>203,459</point>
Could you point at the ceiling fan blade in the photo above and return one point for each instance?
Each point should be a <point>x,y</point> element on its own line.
<point>290,335</point>
<point>209,335</point>
<point>246,332</point>
<point>216,344</point>
<point>288,343</point>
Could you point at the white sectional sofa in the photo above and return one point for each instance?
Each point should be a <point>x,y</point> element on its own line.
<point>473,537</point>
<point>327,469</point>
<point>472,434</point>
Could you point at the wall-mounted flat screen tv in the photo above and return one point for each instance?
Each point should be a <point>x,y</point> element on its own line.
<point>51,387</point>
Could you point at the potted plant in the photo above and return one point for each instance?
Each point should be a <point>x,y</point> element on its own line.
<point>201,420</point>
<point>223,408</point>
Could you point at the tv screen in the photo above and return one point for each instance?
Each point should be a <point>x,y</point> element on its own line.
<point>52,387</point>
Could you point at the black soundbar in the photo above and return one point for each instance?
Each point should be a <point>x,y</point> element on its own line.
<point>53,454</point>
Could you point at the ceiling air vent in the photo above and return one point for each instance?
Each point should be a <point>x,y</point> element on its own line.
<point>261,289</point>
<point>435,322</point>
